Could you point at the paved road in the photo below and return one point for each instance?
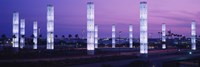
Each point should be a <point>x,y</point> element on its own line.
<point>156,60</point>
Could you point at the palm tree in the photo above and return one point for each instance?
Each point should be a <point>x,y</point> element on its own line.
<point>69,36</point>
<point>32,36</point>
<point>63,39</point>
<point>4,38</point>
<point>159,34</point>
<point>22,36</point>
<point>76,36</point>
<point>63,36</point>
<point>169,34</point>
<point>77,39</point>
<point>40,36</point>
<point>56,36</point>
<point>14,38</point>
<point>40,39</point>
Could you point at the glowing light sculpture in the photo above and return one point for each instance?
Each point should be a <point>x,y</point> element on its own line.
<point>193,33</point>
<point>163,36</point>
<point>143,28</point>
<point>130,36</point>
<point>96,36</point>
<point>15,30</point>
<point>22,33</point>
<point>35,33</point>
<point>90,28</point>
<point>113,36</point>
<point>50,27</point>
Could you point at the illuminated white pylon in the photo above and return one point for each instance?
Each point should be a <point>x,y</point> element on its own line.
<point>193,33</point>
<point>113,36</point>
<point>15,29</point>
<point>22,33</point>
<point>163,36</point>
<point>90,28</point>
<point>96,36</point>
<point>143,28</point>
<point>130,36</point>
<point>50,27</point>
<point>35,33</point>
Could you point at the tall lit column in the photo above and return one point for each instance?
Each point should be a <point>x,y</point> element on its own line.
<point>113,36</point>
<point>22,33</point>
<point>39,31</point>
<point>50,27</point>
<point>35,33</point>
<point>96,36</point>
<point>163,36</point>
<point>15,29</point>
<point>130,35</point>
<point>143,28</point>
<point>193,33</point>
<point>90,28</point>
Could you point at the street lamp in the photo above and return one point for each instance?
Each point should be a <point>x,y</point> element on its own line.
<point>119,42</point>
<point>83,31</point>
<point>120,32</point>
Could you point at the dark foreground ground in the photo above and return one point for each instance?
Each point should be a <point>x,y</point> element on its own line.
<point>104,57</point>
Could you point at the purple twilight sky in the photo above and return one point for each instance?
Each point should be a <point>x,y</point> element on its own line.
<point>70,15</point>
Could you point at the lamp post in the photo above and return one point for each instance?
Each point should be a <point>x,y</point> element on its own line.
<point>119,42</point>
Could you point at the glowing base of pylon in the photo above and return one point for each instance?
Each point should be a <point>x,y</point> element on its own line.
<point>34,46</point>
<point>50,47</point>
<point>193,47</point>
<point>143,48</point>
<point>131,46</point>
<point>90,52</point>
<point>21,46</point>
<point>113,46</point>
<point>163,46</point>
